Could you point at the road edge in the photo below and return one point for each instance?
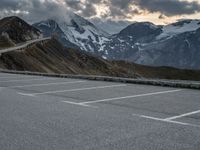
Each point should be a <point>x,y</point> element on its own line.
<point>155,82</point>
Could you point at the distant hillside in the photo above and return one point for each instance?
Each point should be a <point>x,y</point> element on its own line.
<point>52,57</point>
<point>5,42</point>
<point>161,72</point>
<point>51,28</point>
<point>174,45</point>
<point>17,30</point>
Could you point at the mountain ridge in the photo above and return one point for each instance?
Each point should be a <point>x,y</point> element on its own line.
<point>51,56</point>
<point>18,30</point>
<point>140,42</point>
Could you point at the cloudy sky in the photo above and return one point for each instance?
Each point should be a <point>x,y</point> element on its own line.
<point>157,11</point>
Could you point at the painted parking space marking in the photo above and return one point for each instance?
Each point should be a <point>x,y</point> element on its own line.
<point>132,96</point>
<point>166,120</point>
<point>183,115</point>
<point>87,104</point>
<point>72,90</point>
<point>47,84</point>
<point>79,104</point>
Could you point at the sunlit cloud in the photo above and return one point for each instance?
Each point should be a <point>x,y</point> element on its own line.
<point>157,11</point>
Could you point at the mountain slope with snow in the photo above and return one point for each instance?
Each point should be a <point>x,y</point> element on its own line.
<point>175,45</point>
<point>83,33</point>
<point>181,51</point>
<point>51,28</point>
<point>110,26</point>
<point>179,27</point>
<point>141,42</point>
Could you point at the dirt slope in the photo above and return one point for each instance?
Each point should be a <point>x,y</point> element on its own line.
<point>52,57</point>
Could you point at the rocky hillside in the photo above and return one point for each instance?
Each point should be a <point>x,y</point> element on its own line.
<point>5,42</point>
<point>51,28</point>
<point>176,45</point>
<point>143,43</point>
<point>17,30</point>
<point>52,57</point>
<point>78,31</point>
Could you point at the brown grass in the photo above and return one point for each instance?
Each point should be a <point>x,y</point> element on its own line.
<point>51,57</point>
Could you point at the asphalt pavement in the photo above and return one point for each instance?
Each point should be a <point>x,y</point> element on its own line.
<point>48,113</point>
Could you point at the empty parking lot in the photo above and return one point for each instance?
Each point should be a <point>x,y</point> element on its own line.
<point>50,113</point>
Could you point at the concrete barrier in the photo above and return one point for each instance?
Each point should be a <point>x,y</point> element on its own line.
<point>155,82</point>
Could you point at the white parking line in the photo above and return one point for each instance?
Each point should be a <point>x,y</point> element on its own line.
<point>183,115</point>
<point>78,104</point>
<point>132,96</point>
<point>72,90</point>
<point>167,121</point>
<point>56,83</point>
<point>32,79</point>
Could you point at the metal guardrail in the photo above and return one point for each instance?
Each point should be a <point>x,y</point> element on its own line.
<point>155,82</point>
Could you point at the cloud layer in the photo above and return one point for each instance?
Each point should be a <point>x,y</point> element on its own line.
<point>112,9</point>
<point>169,7</point>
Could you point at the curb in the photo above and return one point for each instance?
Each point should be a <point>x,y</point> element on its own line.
<point>155,82</point>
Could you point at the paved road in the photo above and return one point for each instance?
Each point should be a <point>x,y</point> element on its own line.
<point>43,113</point>
<point>22,45</point>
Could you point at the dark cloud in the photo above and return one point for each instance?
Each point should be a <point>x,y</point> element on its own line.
<point>12,4</point>
<point>122,4</point>
<point>86,8</point>
<point>169,7</point>
<point>120,8</point>
<point>116,9</point>
<point>165,7</point>
<point>89,10</point>
<point>36,10</point>
<point>74,4</point>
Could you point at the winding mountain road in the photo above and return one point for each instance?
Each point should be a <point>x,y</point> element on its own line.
<point>22,45</point>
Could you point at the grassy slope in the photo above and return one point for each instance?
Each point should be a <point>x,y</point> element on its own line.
<point>17,29</point>
<point>5,43</point>
<point>162,72</point>
<point>51,57</point>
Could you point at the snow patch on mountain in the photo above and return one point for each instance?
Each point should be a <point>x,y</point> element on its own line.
<point>110,26</point>
<point>83,33</point>
<point>179,27</point>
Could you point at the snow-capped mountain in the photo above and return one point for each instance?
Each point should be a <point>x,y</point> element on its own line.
<point>129,40</point>
<point>78,31</point>
<point>83,33</point>
<point>51,28</point>
<point>144,43</point>
<point>181,51</point>
<point>179,27</point>
<point>176,45</point>
<point>110,26</point>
